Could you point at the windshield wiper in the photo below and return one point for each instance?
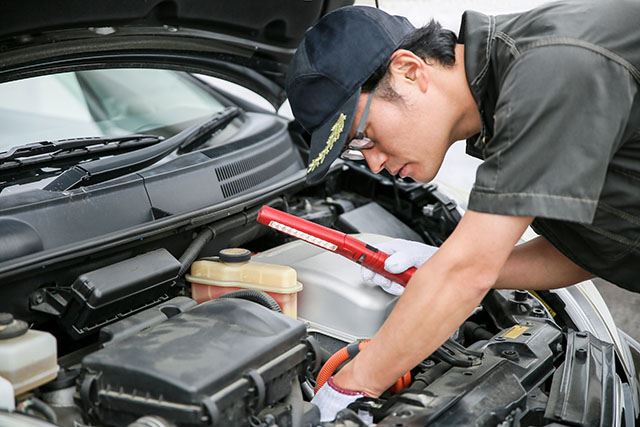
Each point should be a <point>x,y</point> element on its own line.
<point>37,154</point>
<point>101,170</point>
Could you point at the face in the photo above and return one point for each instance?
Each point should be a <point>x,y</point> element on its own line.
<point>410,138</point>
<point>411,134</point>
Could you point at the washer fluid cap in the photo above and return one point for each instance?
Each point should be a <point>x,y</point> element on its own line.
<point>11,328</point>
<point>235,255</point>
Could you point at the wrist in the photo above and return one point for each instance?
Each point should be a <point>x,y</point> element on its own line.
<point>346,380</point>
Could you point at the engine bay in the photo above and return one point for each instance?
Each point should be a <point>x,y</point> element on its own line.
<point>193,331</point>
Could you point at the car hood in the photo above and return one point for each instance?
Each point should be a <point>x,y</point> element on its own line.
<point>249,42</point>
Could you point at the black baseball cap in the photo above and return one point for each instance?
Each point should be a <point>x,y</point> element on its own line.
<point>333,61</point>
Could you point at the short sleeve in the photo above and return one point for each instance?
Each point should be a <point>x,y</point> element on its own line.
<point>560,116</point>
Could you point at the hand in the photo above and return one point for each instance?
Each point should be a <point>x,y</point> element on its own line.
<point>331,399</point>
<point>404,254</point>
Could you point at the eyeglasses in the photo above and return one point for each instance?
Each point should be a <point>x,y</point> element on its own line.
<point>353,149</point>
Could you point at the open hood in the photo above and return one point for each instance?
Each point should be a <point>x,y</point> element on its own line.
<point>249,42</point>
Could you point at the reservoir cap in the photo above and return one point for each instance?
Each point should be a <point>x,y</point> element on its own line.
<point>11,328</point>
<point>235,255</point>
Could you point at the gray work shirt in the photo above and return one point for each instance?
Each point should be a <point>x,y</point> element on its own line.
<point>557,89</point>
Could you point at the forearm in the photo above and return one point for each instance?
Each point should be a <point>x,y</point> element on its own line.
<point>536,265</point>
<point>440,296</point>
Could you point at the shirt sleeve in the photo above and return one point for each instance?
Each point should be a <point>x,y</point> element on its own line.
<point>559,119</point>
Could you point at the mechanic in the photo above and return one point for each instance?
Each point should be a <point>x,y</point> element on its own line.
<point>547,98</point>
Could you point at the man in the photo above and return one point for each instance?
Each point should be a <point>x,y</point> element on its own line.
<point>547,98</point>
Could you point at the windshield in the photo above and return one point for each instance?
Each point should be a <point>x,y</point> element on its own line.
<point>111,102</point>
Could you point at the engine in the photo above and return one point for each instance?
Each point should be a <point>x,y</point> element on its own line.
<point>239,340</point>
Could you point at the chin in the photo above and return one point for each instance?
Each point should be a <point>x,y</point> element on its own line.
<point>421,175</point>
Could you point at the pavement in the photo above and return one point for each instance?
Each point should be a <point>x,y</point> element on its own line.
<point>458,169</point>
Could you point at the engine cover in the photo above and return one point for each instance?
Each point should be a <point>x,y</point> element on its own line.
<point>200,367</point>
<point>357,310</point>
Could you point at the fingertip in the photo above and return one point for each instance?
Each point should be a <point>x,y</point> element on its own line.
<point>381,280</point>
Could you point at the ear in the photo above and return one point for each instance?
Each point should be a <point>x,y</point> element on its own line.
<point>407,66</point>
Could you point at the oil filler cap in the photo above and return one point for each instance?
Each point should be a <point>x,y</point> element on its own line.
<point>235,255</point>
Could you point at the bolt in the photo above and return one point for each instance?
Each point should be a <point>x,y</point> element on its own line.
<point>538,312</point>
<point>429,364</point>
<point>520,295</point>
<point>429,210</point>
<point>510,354</point>
<point>38,298</point>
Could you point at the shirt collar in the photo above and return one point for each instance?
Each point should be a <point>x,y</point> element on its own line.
<point>477,34</point>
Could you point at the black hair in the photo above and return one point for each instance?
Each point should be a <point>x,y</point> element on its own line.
<point>431,42</point>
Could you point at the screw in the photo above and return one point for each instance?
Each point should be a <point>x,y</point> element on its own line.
<point>38,297</point>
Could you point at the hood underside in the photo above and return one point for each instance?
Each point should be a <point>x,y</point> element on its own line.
<point>250,42</point>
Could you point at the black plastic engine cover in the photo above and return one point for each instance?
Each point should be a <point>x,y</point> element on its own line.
<point>214,364</point>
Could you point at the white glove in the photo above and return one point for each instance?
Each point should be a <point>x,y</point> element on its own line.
<point>404,254</point>
<point>330,399</point>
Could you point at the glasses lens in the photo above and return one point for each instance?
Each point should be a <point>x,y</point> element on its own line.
<point>352,155</point>
<point>360,143</point>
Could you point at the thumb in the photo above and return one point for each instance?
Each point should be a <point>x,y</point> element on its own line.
<point>398,262</point>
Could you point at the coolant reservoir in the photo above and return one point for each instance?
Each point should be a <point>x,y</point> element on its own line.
<point>234,271</point>
<point>28,358</point>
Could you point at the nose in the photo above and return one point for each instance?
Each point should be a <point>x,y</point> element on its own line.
<point>375,159</point>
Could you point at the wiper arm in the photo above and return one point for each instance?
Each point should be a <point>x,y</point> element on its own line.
<point>45,152</point>
<point>105,169</point>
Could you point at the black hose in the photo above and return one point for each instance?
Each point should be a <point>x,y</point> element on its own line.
<point>210,232</point>
<point>423,379</point>
<point>472,332</point>
<point>255,296</point>
<point>37,405</point>
<point>192,252</point>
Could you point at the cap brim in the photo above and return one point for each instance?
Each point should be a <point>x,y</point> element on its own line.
<point>328,140</point>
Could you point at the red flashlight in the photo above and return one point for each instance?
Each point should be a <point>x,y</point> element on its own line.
<point>331,240</point>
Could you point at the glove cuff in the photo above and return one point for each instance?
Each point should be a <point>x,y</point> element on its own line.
<point>341,390</point>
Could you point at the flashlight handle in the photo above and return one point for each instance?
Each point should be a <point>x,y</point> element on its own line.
<point>332,240</point>
<point>374,258</point>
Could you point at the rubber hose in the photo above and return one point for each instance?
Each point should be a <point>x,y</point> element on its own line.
<point>38,405</point>
<point>341,356</point>
<point>192,252</point>
<point>425,378</point>
<point>337,359</point>
<point>475,331</point>
<point>255,296</point>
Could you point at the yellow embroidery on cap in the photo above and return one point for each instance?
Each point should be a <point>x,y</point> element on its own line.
<point>336,131</point>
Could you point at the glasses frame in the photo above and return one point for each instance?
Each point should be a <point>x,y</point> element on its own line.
<point>353,149</point>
